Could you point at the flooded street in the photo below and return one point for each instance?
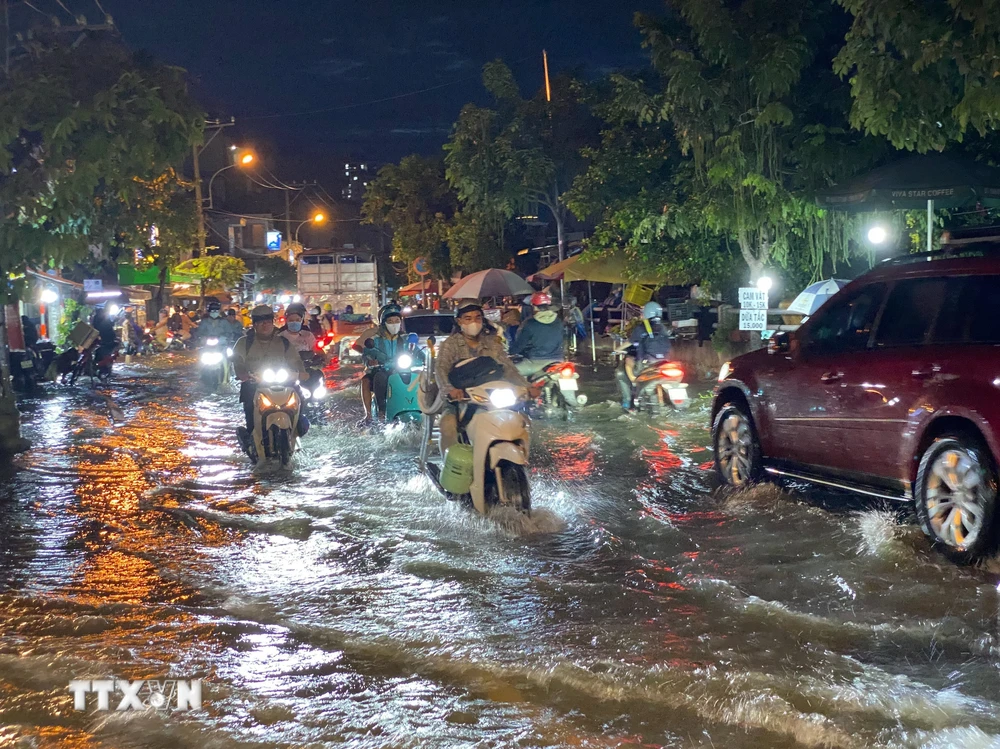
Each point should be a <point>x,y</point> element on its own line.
<point>347,603</point>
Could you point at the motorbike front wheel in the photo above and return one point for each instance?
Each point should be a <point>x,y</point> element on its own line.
<point>516,489</point>
<point>281,444</point>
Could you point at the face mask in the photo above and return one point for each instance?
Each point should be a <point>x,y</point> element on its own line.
<point>393,327</point>
<point>213,313</point>
<point>295,327</point>
<point>471,329</point>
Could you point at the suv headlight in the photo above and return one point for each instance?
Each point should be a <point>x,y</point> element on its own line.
<point>725,371</point>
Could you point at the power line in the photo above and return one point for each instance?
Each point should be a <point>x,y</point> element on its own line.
<point>375,101</point>
<point>40,12</point>
<point>68,11</point>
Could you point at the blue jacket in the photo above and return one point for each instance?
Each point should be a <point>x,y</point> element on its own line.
<point>541,337</point>
<point>387,349</point>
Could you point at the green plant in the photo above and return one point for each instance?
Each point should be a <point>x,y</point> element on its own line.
<point>67,321</point>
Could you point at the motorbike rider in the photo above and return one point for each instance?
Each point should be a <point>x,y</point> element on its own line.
<point>468,342</point>
<point>300,337</point>
<point>214,325</point>
<point>652,343</point>
<point>104,325</point>
<point>540,338</point>
<point>315,322</point>
<point>387,344</point>
<point>260,349</point>
<point>235,324</point>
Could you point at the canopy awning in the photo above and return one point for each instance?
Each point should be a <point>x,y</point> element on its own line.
<point>422,287</point>
<point>606,269</point>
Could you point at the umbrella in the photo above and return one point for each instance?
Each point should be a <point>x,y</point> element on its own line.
<point>911,183</point>
<point>815,295</point>
<point>605,269</point>
<point>487,283</point>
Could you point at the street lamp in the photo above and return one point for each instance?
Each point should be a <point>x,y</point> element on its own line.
<point>316,218</point>
<point>49,296</point>
<point>877,235</point>
<point>242,158</point>
<point>764,283</point>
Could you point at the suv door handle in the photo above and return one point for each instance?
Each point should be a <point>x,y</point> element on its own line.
<point>831,377</point>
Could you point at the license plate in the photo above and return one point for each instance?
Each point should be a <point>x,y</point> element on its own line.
<point>568,383</point>
<point>677,394</point>
<point>26,364</point>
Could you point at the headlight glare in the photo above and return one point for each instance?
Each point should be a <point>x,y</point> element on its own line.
<point>503,398</point>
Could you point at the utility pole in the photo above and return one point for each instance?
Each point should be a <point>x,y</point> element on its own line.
<point>288,217</point>
<point>560,236</point>
<point>216,126</point>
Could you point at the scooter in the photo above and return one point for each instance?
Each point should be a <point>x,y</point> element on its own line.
<point>277,407</point>
<point>401,388</point>
<point>659,386</point>
<point>488,466</point>
<point>559,384</point>
<point>214,360</point>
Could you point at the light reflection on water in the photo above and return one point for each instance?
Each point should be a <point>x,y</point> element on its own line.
<point>347,602</point>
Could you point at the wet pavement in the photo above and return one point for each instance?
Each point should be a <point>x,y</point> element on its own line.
<point>347,604</point>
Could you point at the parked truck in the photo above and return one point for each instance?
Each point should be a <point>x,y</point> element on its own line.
<point>339,277</point>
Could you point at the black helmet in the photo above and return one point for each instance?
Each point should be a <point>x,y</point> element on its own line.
<point>296,308</point>
<point>214,306</point>
<point>262,312</point>
<point>388,311</point>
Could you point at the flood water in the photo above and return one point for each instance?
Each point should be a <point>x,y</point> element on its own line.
<point>347,604</point>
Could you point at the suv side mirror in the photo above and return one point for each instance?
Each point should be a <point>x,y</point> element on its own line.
<point>780,343</point>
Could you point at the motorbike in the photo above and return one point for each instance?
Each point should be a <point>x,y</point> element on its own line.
<point>401,388</point>
<point>488,466</point>
<point>660,386</point>
<point>91,363</point>
<point>559,384</point>
<point>214,359</point>
<point>277,408</point>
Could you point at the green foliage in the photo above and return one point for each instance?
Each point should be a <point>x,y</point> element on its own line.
<point>922,74</point>
<point>415,201</point>
<point>275,274</point>
<point>67,321</point>
<point>88,139</point>
<point>215,271</point>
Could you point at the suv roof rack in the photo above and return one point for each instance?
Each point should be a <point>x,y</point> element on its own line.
<point>977,241</point>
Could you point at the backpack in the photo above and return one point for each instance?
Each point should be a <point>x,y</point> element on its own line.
<point>474,372</point>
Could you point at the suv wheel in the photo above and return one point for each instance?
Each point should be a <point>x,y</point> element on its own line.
<point>955,497</point>
<point>737,449</point>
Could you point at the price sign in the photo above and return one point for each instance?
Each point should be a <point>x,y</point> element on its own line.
<point>753,319</point>
<point>752,298</point>
<point>93,285</point>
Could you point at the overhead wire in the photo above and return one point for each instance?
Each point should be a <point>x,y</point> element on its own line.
<point>40,12</point>
<point>68,11</point>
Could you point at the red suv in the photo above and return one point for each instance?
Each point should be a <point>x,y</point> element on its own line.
<point>892,389</point>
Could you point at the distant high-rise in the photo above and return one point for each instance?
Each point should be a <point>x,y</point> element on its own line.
<point>356,177</point>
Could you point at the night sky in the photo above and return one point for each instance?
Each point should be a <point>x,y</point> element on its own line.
<point>254,59</point>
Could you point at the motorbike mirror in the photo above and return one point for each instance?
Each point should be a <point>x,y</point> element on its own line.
<point>369,343</point>
<point>779,343</point>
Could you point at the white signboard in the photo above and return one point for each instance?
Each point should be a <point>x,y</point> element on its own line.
<point>93,284</point>
<point>751,298</point>
<point>753,319</point>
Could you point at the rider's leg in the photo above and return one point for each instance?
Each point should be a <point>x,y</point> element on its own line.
<point>380,386</point>
<point>625,376</point>
<point>366,395</point>
<point>448,426</point>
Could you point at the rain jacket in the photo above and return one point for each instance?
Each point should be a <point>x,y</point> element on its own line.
<point>215,327</point>
<point>541,337</point>
<point>387,349</point>
<point>455,349</point>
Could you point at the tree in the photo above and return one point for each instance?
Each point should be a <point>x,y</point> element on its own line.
<point>747,90</point>
<point>922,74</point>
<point>216,272</point>
<point>415,201</point>
<point>275,273</point>
<point>87,126</point>
<point>520,153</point>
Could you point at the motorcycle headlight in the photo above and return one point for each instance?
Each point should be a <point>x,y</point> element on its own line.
<point>319,392</point>
<point>405,361</point>
<point>268,375</point>
<point>281,375</point>
<point>211,341</point>
<point>503,398</point>
<point>229,353</point>
<point>266,402</point>
<point>211,358</point>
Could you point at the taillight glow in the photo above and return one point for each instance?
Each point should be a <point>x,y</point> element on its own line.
<point>672,370</point>
<point>568,371</point>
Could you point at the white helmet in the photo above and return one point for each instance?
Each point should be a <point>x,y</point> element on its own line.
<point>652,311</point>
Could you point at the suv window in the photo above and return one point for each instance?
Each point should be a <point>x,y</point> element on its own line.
<point>424,325</point>
<point>910,311</point>
<point>846,324</point>
<point>971,311</point>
